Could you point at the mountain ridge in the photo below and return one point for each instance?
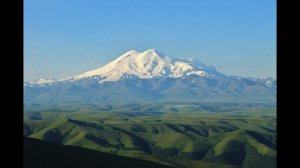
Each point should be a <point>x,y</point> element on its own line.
<point>151,76</point>
<point>148,64</point>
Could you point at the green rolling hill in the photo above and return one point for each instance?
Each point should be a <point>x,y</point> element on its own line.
<point>43,154</point>
<point>187,140</point>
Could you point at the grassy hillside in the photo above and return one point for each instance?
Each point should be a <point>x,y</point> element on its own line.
<point>153,108</point>
<point>43,154</point>
<point>186,139</point>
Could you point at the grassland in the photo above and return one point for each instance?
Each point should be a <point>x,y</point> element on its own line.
<point>43,154</point>
<point>229,137</point>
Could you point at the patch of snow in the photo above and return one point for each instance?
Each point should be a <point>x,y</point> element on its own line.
<point>42,81</point>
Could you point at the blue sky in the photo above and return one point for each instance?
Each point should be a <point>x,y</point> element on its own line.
<point>67,37</point>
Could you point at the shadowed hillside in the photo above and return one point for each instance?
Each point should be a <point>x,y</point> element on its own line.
<point>43,154</point>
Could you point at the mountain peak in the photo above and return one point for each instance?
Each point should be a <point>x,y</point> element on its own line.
<point>153,52</point>
<point>148,64</point>
<point>131,52</point>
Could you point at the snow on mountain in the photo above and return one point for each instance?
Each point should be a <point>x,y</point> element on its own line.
<point>150,76</point>
<point>41,82</point>
<point>145,65</point>
<point>269,82</point>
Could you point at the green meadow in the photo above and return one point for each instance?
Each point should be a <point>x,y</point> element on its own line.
<point>185,136</point>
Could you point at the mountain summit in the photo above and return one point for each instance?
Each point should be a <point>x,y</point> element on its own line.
<point>150,76</point>
<point>148,64</point>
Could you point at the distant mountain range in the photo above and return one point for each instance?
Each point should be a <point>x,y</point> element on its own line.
<point>150,76</point>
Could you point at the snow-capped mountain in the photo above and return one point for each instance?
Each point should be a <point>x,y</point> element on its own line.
<point>148,76</point>
<point>146,65</point>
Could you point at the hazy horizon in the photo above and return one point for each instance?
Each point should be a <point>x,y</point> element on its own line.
<point>66,38</point>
